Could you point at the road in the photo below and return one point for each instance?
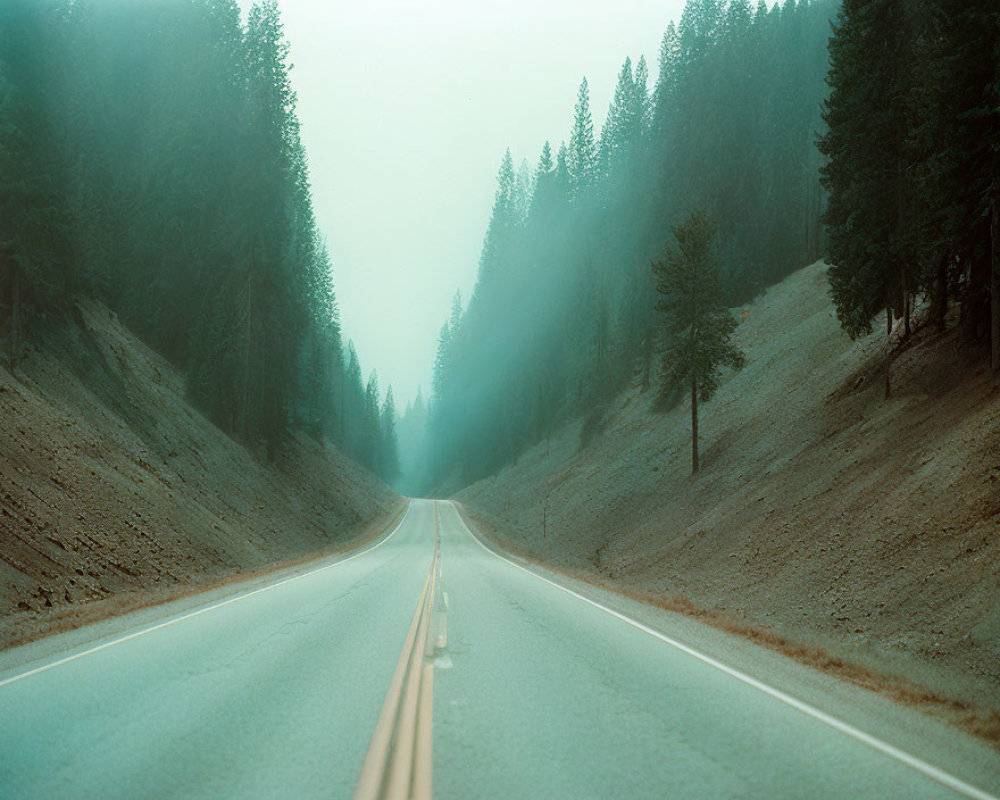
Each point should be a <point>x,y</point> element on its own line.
<point>534,692</point>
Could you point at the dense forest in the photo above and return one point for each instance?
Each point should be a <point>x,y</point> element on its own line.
<point>150,156</point>
<point>914,165</point>
<point>866,132</point>
<point>563,314</point>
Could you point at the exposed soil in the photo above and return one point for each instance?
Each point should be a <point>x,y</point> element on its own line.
<point>854,532</point>
<point>116,493</point>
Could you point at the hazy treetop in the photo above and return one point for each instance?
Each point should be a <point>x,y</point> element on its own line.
<point>406,109</point>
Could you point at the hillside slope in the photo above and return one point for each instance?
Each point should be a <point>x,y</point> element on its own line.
<point>826,521</point>
<point>115,493</point>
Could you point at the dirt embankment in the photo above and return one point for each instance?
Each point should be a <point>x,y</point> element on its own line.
<point>827,521</point>
<point>115,493</point>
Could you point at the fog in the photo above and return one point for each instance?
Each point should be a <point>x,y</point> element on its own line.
<point>406,110</point>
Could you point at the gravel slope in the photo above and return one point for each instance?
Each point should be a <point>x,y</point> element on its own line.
<point>115,493</point>
<point>851,531</point>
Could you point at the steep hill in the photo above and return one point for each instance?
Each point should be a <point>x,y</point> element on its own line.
<point>853,531</point>
<point>114,492</point>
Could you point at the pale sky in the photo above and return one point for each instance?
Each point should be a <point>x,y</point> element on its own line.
<point>406,109</point>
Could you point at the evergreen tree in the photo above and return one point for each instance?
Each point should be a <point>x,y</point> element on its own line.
<point>731,128</point>
<point>524,187</point>
<point>668,79</point>
<point>389,442</point>
<point>503,221</point>
<point>642,110</point>
<point>150,156</point>
<point>618,134</point>
<point>698,327</point>
<point>412,435</point>
<point>35,252</point>
<point>546,197</point>
<point>371,442</point>
<point>867,175</point>
<point>455,318</point>
<point>582,156</point>
<point>353,419</point>
<point>955,145</point>
<point>545,164</point>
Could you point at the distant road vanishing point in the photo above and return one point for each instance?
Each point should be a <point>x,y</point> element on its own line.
<point>423,665</point>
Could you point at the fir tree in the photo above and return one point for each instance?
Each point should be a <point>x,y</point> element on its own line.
<point>389,442</point>
<point>642,113</point>
<point>867,175</point>
<point>697,324</point>
<point>582,152</point>
<point>619,128</point>
<point>503,221</point>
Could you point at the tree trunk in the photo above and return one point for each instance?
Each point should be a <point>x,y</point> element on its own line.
<point>888,353</point>
<point>976,299</point>
<point>995,288</point>
<point>941,286</point>
<point>906,314</point>
<point>245,414</point>
<point>15,317</point>
<point>808,219</point>
<point>906,307</point>
<point>819,222</point>
<point>646,355</point>
<point>694,426</point>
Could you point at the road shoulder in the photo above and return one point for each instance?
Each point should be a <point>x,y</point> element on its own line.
<point>923,735</point>
<point>110,624</point>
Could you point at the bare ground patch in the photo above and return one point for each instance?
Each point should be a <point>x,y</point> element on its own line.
<point>850,531</point>
<point>116,494</point>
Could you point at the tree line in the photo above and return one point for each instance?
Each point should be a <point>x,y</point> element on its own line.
<point>564,311</point>
<point>913,172</point>
<point>150,156</point>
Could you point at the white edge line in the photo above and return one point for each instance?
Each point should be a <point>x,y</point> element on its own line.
<point>932,772</point>
<point>205,610</point>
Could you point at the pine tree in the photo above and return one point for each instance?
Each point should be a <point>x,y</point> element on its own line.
<point>668,80</point>
<point>455,318</point>
<point>353,420</point>
<point>731,129</point>
<point>563,179</point>
<point>503,221</point>
<point>371,441</point>
<point>545,163</point>
<point>582,156</point>
<point>412,434</point>
<point>642,112</point>
<point>867,175</point>
<point>697,324</point>
<point>389,442</point>
<point>545,200</point>
<point>35,253</point>
<point>619,128</point>
<point>524,189</point>
<point>956,146</point>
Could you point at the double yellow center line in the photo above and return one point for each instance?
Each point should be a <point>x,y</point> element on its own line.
<point>398,762</point>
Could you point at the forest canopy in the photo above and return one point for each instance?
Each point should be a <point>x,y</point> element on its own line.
<point>563,314</point>
<point>150,156</point>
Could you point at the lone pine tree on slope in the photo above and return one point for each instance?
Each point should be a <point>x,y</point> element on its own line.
<point>697,324</point>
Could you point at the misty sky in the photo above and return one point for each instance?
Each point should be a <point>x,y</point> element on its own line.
<point>406,108</point>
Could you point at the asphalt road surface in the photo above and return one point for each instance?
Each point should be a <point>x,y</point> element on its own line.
<point>483,679</point>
